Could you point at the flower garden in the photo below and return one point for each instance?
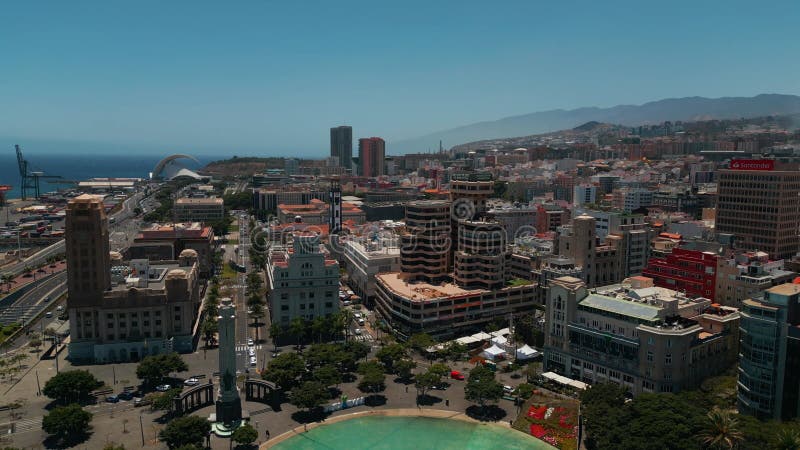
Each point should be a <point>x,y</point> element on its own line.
<point>552,419</point>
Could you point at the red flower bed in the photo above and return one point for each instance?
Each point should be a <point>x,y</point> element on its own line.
<point>537,430</point>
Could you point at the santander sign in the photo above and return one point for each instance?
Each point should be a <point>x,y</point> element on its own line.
<point>752,164</point>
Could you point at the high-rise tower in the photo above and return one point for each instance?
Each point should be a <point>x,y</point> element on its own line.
<point>342,145</point>
<point>87,251</point>
<point>371,156</point>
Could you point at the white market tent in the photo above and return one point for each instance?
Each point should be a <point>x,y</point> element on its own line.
<point>564,380</point>
<point>503,332</point>
<point>527,352</point>
<point>499,340</point>
<point>493,352</point>
<point>578,384</point>
<point>482,336</point>
<point>466,340</point>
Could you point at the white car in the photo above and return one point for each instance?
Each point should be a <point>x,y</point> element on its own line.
<point>163,387</point>
<point>252,360</point>
<point>358,331</point>
<point>250,342</point>
<point>191,382</point>
<point>251,351</point>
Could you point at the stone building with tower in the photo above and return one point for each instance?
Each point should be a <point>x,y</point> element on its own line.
<point>124,310</point>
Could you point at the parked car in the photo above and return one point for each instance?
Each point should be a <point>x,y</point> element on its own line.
<point>508,389</point>
<point>253,361</point>
<point>191,382</point>
<point>125,395</point>
<point>358,331</point>
<point>250,342</point>
<point>112,399</point>
<point>361,322</point>
<point>456,375</point>
<point>140,401</point>
<point>163,387</point>
<point>251,351</point>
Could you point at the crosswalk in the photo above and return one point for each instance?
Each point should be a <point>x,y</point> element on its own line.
<point>363,337</point>
<point>243,347</point>
<point>29,424</point>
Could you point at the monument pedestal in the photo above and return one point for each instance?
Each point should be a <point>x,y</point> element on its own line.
<point>229,415</point>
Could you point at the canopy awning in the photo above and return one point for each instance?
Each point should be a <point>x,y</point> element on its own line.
<point>482,336</point>
<point>466,340</point>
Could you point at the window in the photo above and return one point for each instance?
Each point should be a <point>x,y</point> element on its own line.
<point>302,306</point>
<point>110,324</point>
<point>329,304</point>
<point>651,341</point>
<point>284,296</point>
<point>328,294</point>
<point>649,356</point>
<point>146,323</point>
<point>158,322</point>
<point>284,307</point>
<point>668,359</point>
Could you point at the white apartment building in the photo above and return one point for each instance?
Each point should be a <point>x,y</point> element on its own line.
<point>366,257</point>
<point>189,209</point>
<point>303,281</point>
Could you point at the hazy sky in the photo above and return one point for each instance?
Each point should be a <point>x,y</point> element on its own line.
<point>271,77</point>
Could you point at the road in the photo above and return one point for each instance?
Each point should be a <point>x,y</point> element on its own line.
<point>40,257</point>
<point>41,296</point>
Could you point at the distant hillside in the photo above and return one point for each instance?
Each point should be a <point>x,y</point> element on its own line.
<point>675,109</point>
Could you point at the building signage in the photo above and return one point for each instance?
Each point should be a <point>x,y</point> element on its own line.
<point>752,164</point>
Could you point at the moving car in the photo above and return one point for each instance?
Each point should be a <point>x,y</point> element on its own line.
<point>251,351</point>
<point>191,382</point>
<point>508,389</point>
<point>358,331</point>
<point>125,395</point>
<point>456,375</point>
<point>250,342</point>
<point>252,360</point>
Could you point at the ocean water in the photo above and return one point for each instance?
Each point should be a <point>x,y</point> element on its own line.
<point>80,166</point>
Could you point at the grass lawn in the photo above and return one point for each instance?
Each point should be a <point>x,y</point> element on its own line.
<point>551,419</point>
<point>228,273</point>
<point>234,227</point>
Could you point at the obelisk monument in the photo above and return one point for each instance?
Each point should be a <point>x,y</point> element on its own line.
<point>229,405</point>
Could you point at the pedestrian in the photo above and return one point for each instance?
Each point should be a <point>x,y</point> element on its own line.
<point>406,389</point>
<point>267,434</point>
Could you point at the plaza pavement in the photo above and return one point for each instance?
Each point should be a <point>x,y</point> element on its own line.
<point>120,422</point>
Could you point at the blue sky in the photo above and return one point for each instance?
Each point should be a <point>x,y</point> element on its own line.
<point>270,77</point>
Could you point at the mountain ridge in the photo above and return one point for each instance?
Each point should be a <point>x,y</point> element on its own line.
<point>656,111</point>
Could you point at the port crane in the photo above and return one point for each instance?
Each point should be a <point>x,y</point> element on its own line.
<point>29,179</point>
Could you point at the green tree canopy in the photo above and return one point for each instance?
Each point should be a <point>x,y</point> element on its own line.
<point>309,395</point>
<point>390,354</point>
<point>245,434</point>
<point>420,341</point>
<point>71,386</point>
<point>285,369</point>
<point>152,369</point>
<point>373,378</point>
<point>165,401</point>
<point>481,386</point>
<point>186,430</point>
<point>67,422</point>
<point>328,375</point>
<point>404,368</point>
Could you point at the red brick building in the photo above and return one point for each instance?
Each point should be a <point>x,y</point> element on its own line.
<point>690,271</point>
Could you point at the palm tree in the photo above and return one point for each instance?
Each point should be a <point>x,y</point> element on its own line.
<point>721,431</point>
<point>788,439</point>
<point>297,328</point>
<point>275,332</point>
<point>317,327</point>
<point>7,280</point>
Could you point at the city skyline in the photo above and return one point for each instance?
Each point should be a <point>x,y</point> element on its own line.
<point>162,75</point>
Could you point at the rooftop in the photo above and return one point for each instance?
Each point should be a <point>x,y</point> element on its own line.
<point>786,289</point>
<point>199,201</point>
<point>420,291</point>
<point>621,306</point>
